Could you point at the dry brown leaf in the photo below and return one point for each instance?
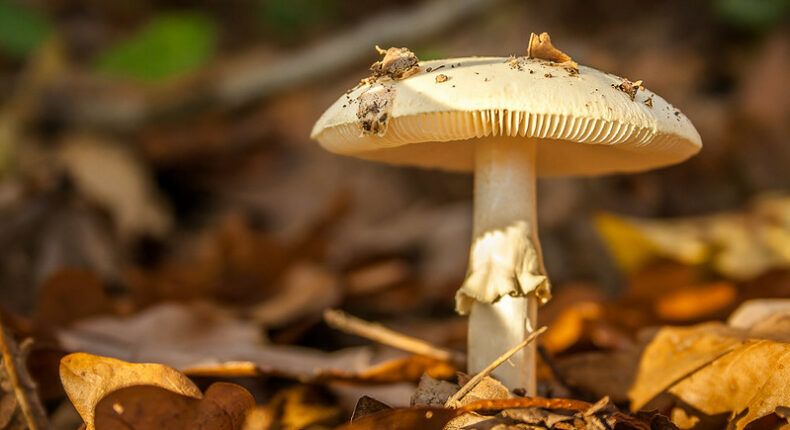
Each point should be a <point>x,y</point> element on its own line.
<point>601,373</point>
<point>224,406</point>
<point>109,174</point>
<point>540,46</point>
<point>367,405</point>
<point>89,378</point>
<point>422,418</point>
<point>307,289</point>
<point>20,407</point>
<point>201,339</point>
<point>716,370</point>
<point>433,392</point>
<point>71,294</point>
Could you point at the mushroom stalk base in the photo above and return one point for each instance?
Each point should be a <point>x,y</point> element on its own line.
<point>506,274</point>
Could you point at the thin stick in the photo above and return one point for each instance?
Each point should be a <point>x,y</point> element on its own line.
<point>342,321</point>
<point>490,368</point>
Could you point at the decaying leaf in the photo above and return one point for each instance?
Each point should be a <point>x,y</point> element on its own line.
<point>738,245</point>
<point>423,418</point>
<point>367,405</point>
<point>110,175</point>
<point>200,339</point>
<point>433,392</point>
<point>540,413</point>
<point>540,46</point>
<point>715,369</point>
<point>224,406</point>
<point>89,378</point>
<point>20,407</point>
<point>398,63</point>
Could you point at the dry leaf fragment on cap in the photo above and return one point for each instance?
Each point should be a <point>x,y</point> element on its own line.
<point>20,407</point>
<point>398,63</point>
<point>89,378</point>
<point>630,88</point>
<point>540,47</point>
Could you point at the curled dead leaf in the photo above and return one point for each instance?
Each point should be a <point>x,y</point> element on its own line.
<point>224,406</point>
<point>89,378</point>
<point>540,46</point>
<point>715,370</point>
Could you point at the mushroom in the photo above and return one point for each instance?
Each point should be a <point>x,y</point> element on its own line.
<point>508,120</point>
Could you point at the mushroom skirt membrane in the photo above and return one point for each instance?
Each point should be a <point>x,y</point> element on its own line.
<point>507,120</point>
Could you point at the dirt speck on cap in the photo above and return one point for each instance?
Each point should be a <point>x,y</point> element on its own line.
<point>375,106</point>
<point>442,78</point>
<point>649,102</point>
<point>628,87</point>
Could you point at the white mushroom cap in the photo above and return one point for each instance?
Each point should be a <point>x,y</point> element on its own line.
<point>584,124</point>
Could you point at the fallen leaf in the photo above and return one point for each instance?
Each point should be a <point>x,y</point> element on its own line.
<point>367,405</point>
<point>433,392</point>
<point>89,378</point>
<point>601,373</point>
<point>715,369</point>
<point>20,407</point>
<point>739,245</point>
<point>752,313</point>
<point>224,406</point>
<point>307,289</point>
<point>540,46</point>
<point>422,418</point>
<point>110,175</point>
<point>697,302</point>
<point>71,294</point>
<point>202,339</point>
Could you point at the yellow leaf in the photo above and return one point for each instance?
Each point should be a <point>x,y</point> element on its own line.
<point>739,245</point>
<point>89,378</point>
<point>715,369</point>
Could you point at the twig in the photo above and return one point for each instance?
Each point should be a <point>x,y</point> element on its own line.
<point>350,324</point>
<point>490,368</point>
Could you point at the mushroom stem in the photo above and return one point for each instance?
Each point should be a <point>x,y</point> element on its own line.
<point>505,265</point>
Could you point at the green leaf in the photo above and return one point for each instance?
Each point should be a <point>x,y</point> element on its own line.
<point>754,15</point>
<point>169,45</point>
<point>22,29</point>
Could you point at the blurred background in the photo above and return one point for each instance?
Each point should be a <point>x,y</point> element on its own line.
<point>159,151</point>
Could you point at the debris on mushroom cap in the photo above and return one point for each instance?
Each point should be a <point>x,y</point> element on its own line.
<point>630,88</point>
<point>442,78</point>
<point>398,63</point>
<point>541,47</point>
<point>514,63</point>
<point>375,105</point>
<point>649,101</point>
